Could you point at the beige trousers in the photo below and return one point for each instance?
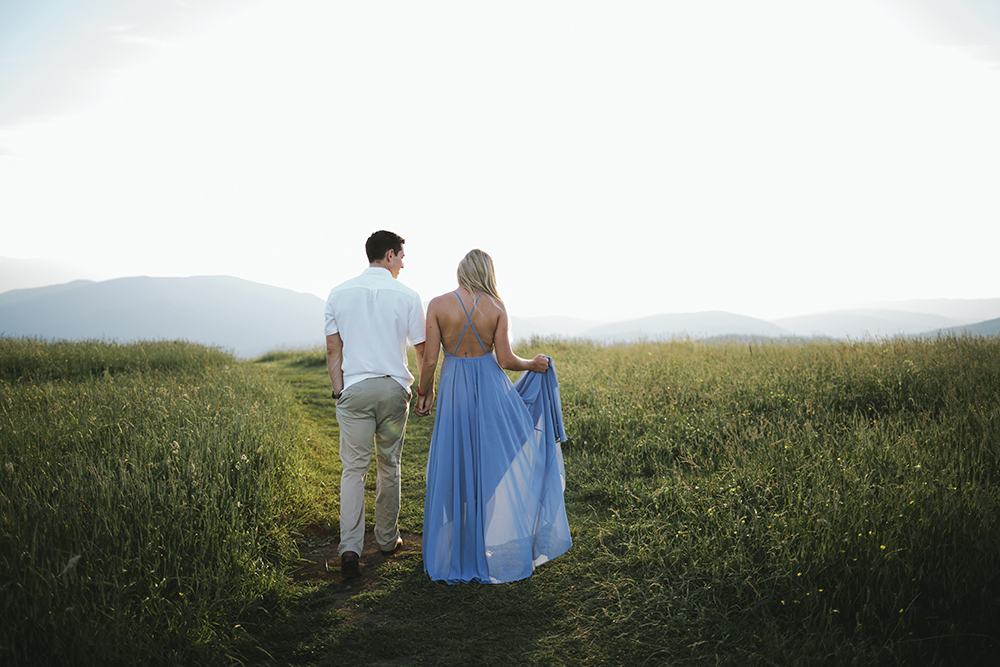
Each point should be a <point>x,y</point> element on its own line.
<point>371,414</point>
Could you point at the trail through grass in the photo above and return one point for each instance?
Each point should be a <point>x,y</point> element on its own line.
<point>396,615</point>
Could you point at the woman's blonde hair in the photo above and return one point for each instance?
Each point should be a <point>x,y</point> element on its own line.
<point>475,273</point>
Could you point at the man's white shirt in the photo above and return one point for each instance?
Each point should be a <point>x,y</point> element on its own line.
<point>375,316</point>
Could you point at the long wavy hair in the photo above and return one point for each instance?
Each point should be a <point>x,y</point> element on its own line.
<point>476,274</point>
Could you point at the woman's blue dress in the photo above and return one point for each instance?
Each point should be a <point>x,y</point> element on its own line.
<point>494,508</point>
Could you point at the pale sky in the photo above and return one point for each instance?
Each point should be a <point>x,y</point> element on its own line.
<point>617,159</point>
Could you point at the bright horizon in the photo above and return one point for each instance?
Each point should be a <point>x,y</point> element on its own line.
<point>616,160</point>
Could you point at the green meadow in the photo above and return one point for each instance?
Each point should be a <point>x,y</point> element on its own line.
<point>817,503</point>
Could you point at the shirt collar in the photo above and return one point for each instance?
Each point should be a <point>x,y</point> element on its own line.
<point>375,270</point>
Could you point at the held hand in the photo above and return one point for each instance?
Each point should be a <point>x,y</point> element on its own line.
<point>424,403</point>
<point>539,364</point>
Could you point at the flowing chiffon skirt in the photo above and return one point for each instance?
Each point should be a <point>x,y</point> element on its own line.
<point>494,508</point>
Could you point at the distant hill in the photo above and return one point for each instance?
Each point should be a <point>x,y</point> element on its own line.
<point>243,317</point>
<point>988,328</point>
<point>710,324</point>
<point>525,328</point>
<point>966,311</point>
<point>250,318</point>
<point>866,323</point>
<point>856,324</point>
<point>28,273</point>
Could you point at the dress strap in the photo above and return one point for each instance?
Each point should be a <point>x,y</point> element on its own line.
<point>468,323</point>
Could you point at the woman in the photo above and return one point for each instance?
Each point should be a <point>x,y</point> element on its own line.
<point>494,508</point>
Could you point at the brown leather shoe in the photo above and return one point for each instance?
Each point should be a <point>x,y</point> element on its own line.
<point>389,552</point>
<point>350,565</point>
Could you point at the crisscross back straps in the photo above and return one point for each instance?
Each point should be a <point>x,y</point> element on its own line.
<point>468,323</point>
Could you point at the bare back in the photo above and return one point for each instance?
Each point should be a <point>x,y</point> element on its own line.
<point>460,310</point>
<point>447,316</point>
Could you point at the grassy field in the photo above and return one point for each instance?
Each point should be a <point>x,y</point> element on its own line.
<point>145,499</point>
<point>817,503</point>
<point>821,503</point>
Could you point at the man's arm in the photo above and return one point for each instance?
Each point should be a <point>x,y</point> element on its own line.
<point>419,350</point>
<point>334,362</point>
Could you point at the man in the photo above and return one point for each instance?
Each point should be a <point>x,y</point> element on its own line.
<point>368,322</point>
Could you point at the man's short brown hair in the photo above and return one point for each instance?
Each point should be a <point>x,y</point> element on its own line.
<point>381,242</point>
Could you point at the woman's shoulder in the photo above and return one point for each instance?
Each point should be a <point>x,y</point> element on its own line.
<point>440,300</point>
<point>450,301</point>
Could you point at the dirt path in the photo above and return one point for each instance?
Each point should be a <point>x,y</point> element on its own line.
<point>320,561</point>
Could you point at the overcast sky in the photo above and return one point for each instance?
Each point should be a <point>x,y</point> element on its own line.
<point>617,159</point>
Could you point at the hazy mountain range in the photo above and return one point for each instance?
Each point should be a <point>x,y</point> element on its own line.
<point>857,324</point>
<point>243,317</point>
<point>27,273</point>
<point>250,318</point>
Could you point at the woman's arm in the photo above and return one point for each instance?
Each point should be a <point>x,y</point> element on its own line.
<point>505,355</point>
<point>428,362</point>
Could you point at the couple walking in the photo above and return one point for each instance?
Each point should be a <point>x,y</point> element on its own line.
<point>494,506</point>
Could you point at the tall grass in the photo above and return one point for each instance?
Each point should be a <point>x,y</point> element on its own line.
<point>809,503</point>
<point>817,503</point>
<point>32,360</point>
<point>143,501</point>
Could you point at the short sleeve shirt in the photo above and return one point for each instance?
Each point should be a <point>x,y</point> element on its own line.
<point>375,316</point>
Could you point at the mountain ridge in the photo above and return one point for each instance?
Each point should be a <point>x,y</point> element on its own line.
<point>29,273</point>
<point>231,313</point>
<point>251,318</point>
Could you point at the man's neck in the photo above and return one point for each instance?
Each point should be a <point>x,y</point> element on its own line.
<point>380,265</point>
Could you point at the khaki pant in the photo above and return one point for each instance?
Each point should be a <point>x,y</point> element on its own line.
<point>371,413</point>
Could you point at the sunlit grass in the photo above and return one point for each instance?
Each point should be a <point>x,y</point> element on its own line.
<point>144,495</point>
<point>785,502</point>
<point>820,503</point>
<point>318,478</point>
